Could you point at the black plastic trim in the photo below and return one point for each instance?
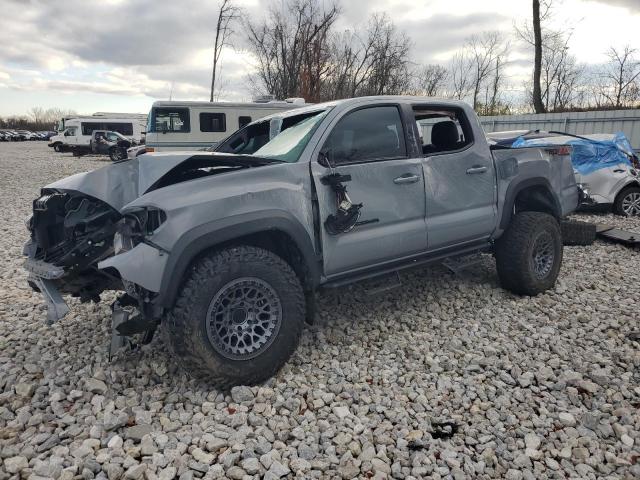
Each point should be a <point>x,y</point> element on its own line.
<point>206,236</point>
<point>414,261</point>
<point>516,187</point>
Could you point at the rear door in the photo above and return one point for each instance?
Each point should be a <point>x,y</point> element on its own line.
<point>460,182</point>
<point>370,146</point>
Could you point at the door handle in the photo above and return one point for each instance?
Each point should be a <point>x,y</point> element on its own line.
<point>618,170</point>
<point>406,178</point>
<point>472,170</point>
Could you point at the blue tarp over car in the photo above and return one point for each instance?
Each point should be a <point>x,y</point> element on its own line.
<point>588,155</point>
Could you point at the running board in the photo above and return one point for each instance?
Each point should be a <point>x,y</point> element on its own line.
<point>380,287</point>
<point>458,264</point>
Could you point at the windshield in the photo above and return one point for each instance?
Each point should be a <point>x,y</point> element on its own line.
<point>255,137</point>
<point>288,145</point>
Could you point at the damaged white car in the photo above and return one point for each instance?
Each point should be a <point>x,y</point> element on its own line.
<point>605,165</point>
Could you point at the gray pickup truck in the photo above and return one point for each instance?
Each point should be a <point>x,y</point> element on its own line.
<point>227,249</point>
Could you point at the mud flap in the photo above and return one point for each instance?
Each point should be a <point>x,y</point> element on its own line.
<point>56,306</point>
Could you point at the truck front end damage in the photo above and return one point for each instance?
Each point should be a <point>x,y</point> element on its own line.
<point>69,233</point>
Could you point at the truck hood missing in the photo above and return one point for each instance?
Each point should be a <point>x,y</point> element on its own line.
<point>120,183</point>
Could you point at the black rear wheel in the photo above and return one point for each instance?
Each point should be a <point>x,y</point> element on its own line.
<point>529,253</point>
<point>238,317</point>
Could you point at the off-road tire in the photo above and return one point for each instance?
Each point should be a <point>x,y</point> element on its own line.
<point>575,233</point>
<point>186,324</point>
<point>515,249</point>
<point>617,205</point>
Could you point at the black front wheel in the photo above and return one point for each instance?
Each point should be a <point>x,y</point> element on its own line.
<point>116,154</point>
<point>529,253</point>
<point>238,317</point>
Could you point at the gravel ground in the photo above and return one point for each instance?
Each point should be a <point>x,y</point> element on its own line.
<point>543,387</point>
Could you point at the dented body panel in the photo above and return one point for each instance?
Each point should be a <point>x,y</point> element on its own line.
<point>223,201</point>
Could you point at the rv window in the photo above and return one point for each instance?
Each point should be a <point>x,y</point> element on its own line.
<point>89,127</point>
<point>242,121</point>
<point>213,122</point>
<point>171,119</point>
<point>123,128</point>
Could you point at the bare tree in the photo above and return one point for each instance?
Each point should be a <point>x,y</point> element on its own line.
<point>537,62</point>
<point>430,80</point>
<point>621,77</point>
<point>535,35</point>
<point>227,14</point>
<point>460,69</point>
<point>291,46</point>
<point>37,115</point>
<point>561,75</point>
<point>486,54</point>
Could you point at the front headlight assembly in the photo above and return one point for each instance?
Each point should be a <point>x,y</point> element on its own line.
<point>136,226</point>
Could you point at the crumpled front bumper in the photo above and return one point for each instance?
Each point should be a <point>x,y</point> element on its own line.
<point>42,276</point>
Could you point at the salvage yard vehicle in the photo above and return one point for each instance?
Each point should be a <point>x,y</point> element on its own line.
<point>227,249</point>
<point>179,126</point>
<point>605,165</point>
<point>104,142</point>
<point>78,132</point>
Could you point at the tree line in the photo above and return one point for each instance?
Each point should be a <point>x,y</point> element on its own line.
<point>37,119</point>
<point>301,52</point>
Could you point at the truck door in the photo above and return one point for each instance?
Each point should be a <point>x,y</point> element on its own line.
<point>370,146</point>
<point>460,182</point>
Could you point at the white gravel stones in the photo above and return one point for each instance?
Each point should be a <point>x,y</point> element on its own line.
<point>341,412</point>
<point>16,464</point>
<point>543,387</point>
<point>94,385</point>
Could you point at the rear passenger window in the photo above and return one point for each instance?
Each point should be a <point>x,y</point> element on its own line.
<point>212,122</point>
<point>442,130</point>
<point>373,133</point>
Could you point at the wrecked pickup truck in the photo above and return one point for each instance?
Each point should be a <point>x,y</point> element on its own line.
<point>227,249</point>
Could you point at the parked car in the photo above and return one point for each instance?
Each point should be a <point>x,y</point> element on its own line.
<point>15,136</point>
<point>3,137</point>
<point>228,248</point>
<point>605,165</point>
<point>27,134</point>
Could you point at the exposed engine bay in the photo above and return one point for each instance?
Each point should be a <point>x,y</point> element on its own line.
<point>72,231</point>
<point>76,222</point>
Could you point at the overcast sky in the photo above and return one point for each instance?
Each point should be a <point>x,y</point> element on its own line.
<point>120,55</point>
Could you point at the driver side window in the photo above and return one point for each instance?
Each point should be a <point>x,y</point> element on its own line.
<point>367,134</point>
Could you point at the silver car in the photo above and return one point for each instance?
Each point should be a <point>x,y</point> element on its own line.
<point>605,166</point>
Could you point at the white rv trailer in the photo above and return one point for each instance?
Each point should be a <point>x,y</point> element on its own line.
<point>175,125</point>
<point>140,117</point>
<point>78,130</point>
